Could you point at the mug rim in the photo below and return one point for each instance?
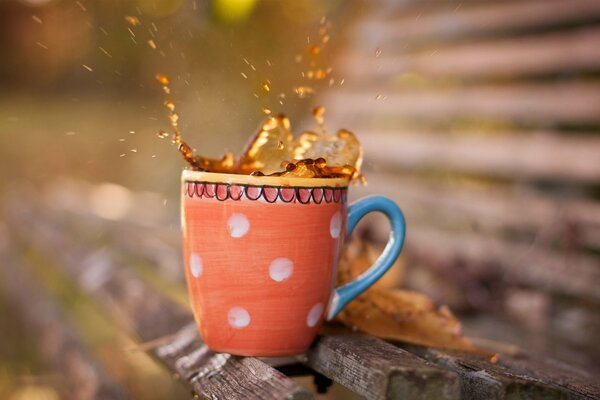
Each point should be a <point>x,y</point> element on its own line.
<point>238,179</point>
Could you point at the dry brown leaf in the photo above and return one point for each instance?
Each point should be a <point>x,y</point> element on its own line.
<point>406,316</point>
<point>395,314</point>
<point>358,255</point>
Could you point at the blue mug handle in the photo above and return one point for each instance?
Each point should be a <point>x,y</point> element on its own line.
<point>346,293</point>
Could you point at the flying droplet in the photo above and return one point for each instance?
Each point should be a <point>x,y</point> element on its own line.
<point>105,52</point>
<point>132,20</point>
<point>170,105</point>
<point>162,79</point>
<point>303,91</point>
<point>320,74</point>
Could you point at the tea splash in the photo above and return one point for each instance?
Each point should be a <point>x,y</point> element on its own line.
<point>275,151</point>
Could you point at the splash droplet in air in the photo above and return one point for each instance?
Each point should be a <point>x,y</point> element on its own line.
<point>132,20</point>
<point>303,91</point>
<point>162,79</point>
<point>274,150</point>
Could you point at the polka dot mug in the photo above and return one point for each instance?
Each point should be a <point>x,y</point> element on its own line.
<point>261,257</point>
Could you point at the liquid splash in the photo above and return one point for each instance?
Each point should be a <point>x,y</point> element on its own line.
<point>275,151</point>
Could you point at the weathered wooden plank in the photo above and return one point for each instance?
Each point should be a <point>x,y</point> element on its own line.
<point>428,23</point>
<point>56,337</point>
<point>223,376</point>
<point>482,379</point>
<point>545,104</point>
<point>524,263</point>
<point>543,54</point>
<point>379,370</point>
<point>533,336</point>
<point>151,317</point>
<point>579,384</point>
<point>541,155</point>
<point>491,210</point>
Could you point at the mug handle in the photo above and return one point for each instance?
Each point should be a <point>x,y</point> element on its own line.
<point>347,292</point>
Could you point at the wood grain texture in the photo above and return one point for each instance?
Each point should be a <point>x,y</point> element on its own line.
<point>223,375</point>
<point>577,383</point>
<point>482,379</point>
<point>379,370</point>
<point>151,317</point>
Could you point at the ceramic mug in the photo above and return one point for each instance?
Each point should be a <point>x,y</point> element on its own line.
<point>261,256</point>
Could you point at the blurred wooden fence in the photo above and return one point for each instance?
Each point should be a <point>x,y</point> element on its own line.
<point>482,119</point>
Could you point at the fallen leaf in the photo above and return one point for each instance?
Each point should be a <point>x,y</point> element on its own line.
<point>406,316</point>
<point>394,314</point>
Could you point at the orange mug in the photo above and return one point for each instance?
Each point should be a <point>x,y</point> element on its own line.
<point>261,257</point>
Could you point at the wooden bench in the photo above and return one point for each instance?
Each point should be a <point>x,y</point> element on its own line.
<point>482,120</point>
<point>129,270</point>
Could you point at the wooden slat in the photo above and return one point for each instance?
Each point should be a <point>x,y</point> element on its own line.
<point>578,383</point>
<point>379,370</point>
<point>544,104</point>
<point>455,20</point>
<point>495,206</point>
<point>576,346</point>
<point>483,380</point>
<point>522,263</point>
<point>488,209</point>
<point>153,318</point>
<point>56,337</point>
<point>558,52</point>
<point>543,155</point>
<point>223,376</point>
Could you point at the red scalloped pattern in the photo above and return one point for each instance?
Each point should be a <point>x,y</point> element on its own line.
<point>271,194</point>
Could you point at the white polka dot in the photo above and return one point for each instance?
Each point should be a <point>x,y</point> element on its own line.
<point>281,269</point>
<point>314,315</point>
<point>238,317</point>
<point>238,225</point>
<point>195,265</point>
<point>335,226</point>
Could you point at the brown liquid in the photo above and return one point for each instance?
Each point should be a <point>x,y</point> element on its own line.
<point>225,164</point>
<point>274,150</point>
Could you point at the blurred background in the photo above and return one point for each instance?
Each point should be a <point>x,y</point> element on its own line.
<point>480,117</point>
